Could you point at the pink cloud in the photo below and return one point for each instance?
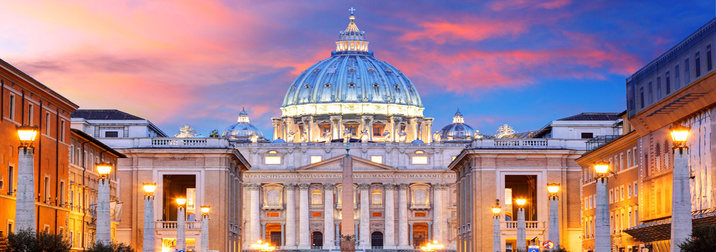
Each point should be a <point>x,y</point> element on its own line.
<point>501,5</point>
<point>466,28</point>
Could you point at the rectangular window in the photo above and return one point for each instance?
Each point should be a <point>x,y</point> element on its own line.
<point>658,88</point>
<point>10,180</point>
<point>272,214</point>
<point>62,131</point>
<point>646,165</point>
<point>111,134</point>
<point>587,135</point>
<point>421,214</point>
<point>10,226</point>
<point>11,108</point>
<point>651,93</point>
<point>62,193</point>
<point>697,64</point>
<point>269,160</point>
<point>635,189</point>
<point>47,189</point>
<point>316,159</point>
<point>628,191</point>
<point>677,81</point>
<point>621,192</point>
<point>377,159</point>
<point>316,214</point>
<point>377,214</point>
<point>420,160</point>
<point>628,163</point>
<point>48,124</point>
<point>687,75</point>
<point>641,96</point>
<point>30,118</point>
<point>709,65</point>
<point>667,83</point>
<point>621,162</point>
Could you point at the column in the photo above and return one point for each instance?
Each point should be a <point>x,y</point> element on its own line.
<point>411,235</point>
<point>290,216</point>
<point>283,232</point>
<point>263,231</point>
<point>602,238</point>
<point>430,231</point>
<point>521,243</point>
<point>554,221</point>
<point>304,239</point>
<point>681,200</point>
<point>328,223</point>
<point>254,213</point>
<point>181,228</point>
<point>104,227</point>
<point>439,223</point>
<point>204,233</point>
<point>364,216</point>
<point>389,234</point>
<point>25,205</point>
<point>496,234</point>
<point>148,243</point>
<point>403,216</point>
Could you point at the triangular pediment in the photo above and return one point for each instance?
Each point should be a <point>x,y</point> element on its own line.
<point>334,164</point>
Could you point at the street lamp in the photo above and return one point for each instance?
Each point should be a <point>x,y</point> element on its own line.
<point>432,246</point>
<point>602,238</point>
<point>103,221</point>
<point>681,197</point>
<point>205,228</point>
<point>149,243</point>
<point>553,189</point>
<point>521,232</point>
<point>496,239</point>
<point>181,224</point>
<point>25,201</point>
<point>261,246</point>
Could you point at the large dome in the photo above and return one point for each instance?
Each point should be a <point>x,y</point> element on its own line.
<point>352,81</point>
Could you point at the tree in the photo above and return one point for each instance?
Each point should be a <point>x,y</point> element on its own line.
<point>28,241</point>
<point>703,238</point>
<point>114,247</point>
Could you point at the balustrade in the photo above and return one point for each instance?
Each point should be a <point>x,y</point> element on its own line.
<point>528,224</point>
<point>171,225</point>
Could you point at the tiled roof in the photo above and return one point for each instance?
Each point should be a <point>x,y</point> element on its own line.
<point>103,114</point>
<point>592,117</point>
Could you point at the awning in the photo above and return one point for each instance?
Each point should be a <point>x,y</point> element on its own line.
<point>661,230</point>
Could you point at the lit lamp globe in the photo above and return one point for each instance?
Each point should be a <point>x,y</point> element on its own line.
<point>679,135</point>
<point>104,169</point>
<point>601,169</point>
<point>496,210</point>
<point>553,188</point>
<point>181,201</point>
<point>520,202</point>
<point>149,188</point>
<point>205,210</point>
<point>27,134</point>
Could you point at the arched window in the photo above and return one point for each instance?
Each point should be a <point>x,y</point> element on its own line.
<point>377,199</point>
<point>273,198</point>
<point>376,240</point>
<point>316,198</point>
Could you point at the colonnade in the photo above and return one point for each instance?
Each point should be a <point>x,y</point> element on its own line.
<point>399,237</point>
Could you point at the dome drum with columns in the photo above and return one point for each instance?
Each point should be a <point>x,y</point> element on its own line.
<point>352,94</point>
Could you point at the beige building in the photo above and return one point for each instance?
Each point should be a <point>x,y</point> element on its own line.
<point>521,166</point>
<point>205,171</point>
<point>85,153</point>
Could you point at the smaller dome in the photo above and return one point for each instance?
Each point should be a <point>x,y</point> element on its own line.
<point>279,140</point>
<point>457,131</point>
<point>243,131</point>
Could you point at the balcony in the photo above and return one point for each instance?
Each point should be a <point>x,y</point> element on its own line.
<point>419,206</point>
<point>166,142</point>
<point>272,207</point>
<point>528,225</point>
<point>172,225</point>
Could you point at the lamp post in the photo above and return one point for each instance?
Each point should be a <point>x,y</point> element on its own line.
<point>149,242</point>
<point>181,225</point>
<point>103,223</point>
<point>602,238</point>
<point>25,204</point>
<point>496,239</point>
<point>553,189</point>
<point>521,232</point>
<point>205,228</point>
<point>681,199</point>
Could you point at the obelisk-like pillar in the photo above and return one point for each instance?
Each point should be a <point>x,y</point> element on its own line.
<point>347,211</point>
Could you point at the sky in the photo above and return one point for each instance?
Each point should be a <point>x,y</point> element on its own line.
<point>518,62</point>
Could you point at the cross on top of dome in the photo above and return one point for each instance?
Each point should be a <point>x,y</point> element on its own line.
<point>352,39</point>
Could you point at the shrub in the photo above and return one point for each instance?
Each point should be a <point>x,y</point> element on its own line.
<point>114,247</point>
<point>703,238</point>
<point>28,241</point>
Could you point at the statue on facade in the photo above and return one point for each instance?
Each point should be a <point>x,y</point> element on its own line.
<point>436,136</point>
<point>504,131</point>
<point>386,136</point>
<point>364,136</point>
<point>186,131</point>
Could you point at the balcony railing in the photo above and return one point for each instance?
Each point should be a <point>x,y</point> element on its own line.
<point>528,143</point>
<point>172,225</point>
<point>528,225</point>
<point>418,206</point>
<point>162,142</point>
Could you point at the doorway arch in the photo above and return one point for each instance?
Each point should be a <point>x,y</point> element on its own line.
<point>376,240</point>
<point>317,240</point>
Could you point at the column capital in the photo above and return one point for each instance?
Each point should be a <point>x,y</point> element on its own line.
<point>440,185</point>
<point>252,186</point>
<point>303,186</point>
<point>290,186</point>
<point>389,186</point>
<point>403,186</point>
<point>363,186</point>
<point>329,186</point>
